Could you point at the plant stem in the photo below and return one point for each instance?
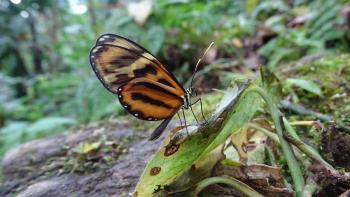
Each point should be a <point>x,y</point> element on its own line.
<point>292,163</point>
<point>309,151</point>
<point>273,163</point>
<point>236,184</point>
<point>271,156</point>
<point>310,188</point>
<point>303,123</point>
<point>295,140</point>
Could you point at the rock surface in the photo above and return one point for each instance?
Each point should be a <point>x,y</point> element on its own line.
<point>39,168</point>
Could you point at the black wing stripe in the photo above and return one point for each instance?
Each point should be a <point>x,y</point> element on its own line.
<point>165,82</point>
<point>149,100</point>
<point>158,88</point>
<point>141,72</point>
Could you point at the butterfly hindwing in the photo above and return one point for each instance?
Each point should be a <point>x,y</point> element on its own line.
<point>149,101</point>
<point>145,88</point>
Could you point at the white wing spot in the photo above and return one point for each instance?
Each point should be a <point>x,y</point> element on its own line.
<point>120,89</point>
<point>96,49</point>
<point>125,106</point>
<point>136,114</point>
<point>120,96</point>
<point>155,119</point>
<point>149,118</point>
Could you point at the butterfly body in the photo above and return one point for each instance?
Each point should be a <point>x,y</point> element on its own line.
<point>145,88</point>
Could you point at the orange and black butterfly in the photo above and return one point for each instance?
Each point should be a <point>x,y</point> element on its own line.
<point>145,88</point>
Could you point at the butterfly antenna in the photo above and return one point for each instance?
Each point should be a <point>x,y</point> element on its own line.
<point>198,62</point>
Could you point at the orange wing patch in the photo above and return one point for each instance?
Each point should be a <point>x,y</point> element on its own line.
<point>149,101</point>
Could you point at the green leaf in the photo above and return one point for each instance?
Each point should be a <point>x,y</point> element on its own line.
<point>87,147</point>
<point>49,123</point>
<point>306,85</point>
<point>11,135</point>
<point>165,168</point>
<point>250,5</point>
<point>154,39</point>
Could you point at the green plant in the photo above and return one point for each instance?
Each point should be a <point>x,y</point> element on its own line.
<point>319,34</point>
<point>172,170</point>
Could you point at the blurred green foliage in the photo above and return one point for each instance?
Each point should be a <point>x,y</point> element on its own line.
<point>46,80</point>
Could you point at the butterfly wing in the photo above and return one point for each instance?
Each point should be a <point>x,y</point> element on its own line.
<point>148,101</point>
<point>145,88</point>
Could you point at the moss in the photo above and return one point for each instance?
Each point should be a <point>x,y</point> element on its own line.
<point>332,74</point>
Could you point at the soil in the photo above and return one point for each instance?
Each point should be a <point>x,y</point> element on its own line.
<point>334,143</point>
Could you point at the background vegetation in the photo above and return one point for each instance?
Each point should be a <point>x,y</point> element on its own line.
<point>47,84</point>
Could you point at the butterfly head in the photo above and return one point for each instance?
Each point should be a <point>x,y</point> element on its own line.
<point>190,92</point>
<point>186,99</point>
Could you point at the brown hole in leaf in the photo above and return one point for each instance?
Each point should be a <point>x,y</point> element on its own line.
<point>244,147</point>
<point>250,147</point>
<point>169,150</point>
<point>251,142</point>
<point>193,167</point>
<point>155,170</point>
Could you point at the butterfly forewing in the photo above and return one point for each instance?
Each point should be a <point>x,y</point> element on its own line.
<point>144,86</point>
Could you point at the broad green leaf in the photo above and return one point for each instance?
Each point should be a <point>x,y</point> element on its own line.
<point>49,123</point>
<point>14,127</point>
<point>266,6</point>
<point>11,134</point>
<point>250,5</point>
<point>153,39</point>
<point>306,85</point>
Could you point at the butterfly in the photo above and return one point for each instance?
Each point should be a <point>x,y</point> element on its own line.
<point>145,88</point>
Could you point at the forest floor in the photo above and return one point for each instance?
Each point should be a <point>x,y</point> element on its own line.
<point>107,158</point>
<point>49,167</point>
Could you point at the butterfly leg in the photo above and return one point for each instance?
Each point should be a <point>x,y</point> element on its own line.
<point>194,114</point>
<point>178,115</point>
<point>200,101</point>
<point>190,106</point>
<point>183,113</point>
